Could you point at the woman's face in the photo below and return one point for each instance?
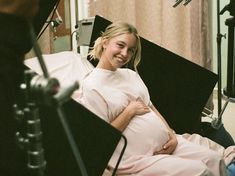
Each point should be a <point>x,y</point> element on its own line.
<point>118,51</point>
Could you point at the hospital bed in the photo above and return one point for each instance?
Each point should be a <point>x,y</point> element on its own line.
<point>179,89</point>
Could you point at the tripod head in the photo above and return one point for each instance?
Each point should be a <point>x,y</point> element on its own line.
<point>230,7</point>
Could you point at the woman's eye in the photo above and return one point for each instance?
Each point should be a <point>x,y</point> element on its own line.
<point>131,51</point>
<point>120,45</point>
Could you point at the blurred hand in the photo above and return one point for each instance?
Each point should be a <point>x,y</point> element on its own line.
<point>170,146</point>
<point>24,8</point>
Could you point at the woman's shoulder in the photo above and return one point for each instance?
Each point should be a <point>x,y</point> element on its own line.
<point>88,80</point>
<point>95,78</point>
<point>129,74</point>
<point>127,71</point>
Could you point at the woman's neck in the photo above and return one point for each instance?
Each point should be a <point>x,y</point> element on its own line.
<point>105,65</point>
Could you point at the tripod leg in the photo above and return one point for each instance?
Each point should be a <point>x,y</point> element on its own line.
<point>216,124</point>
<point>223,109</point>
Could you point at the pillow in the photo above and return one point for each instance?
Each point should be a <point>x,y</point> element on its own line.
<point>66,66</point>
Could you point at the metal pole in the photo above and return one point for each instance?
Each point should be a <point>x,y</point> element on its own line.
<point>219,36</point>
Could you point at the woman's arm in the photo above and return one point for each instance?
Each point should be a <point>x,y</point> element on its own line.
<point>171,144</point>
<point>159,115</point>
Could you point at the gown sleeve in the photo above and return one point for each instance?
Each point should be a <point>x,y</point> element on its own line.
<point>95,102</point>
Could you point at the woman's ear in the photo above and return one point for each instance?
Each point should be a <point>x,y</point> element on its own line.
<point>104,43</point>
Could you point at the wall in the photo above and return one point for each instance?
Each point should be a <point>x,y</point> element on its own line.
<point>62,33</point>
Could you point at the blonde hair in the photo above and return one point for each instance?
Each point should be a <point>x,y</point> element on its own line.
<point>113,30</point>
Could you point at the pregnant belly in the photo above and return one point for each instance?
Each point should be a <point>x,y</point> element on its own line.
<point>145,134</point>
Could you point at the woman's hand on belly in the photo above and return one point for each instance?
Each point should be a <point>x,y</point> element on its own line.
<point>138,107</point>
<point>170,146</point>
<point>133,108</point>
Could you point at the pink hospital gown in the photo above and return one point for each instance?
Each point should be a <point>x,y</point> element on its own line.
<point>107,93</point>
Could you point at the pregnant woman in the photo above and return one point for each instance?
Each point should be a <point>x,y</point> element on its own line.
<point>119,96</point>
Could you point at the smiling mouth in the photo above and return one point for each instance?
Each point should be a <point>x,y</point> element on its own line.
<point>121,60</point>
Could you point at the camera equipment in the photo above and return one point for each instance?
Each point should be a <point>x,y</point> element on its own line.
<point>229,90</point>
<point>42,90</point>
